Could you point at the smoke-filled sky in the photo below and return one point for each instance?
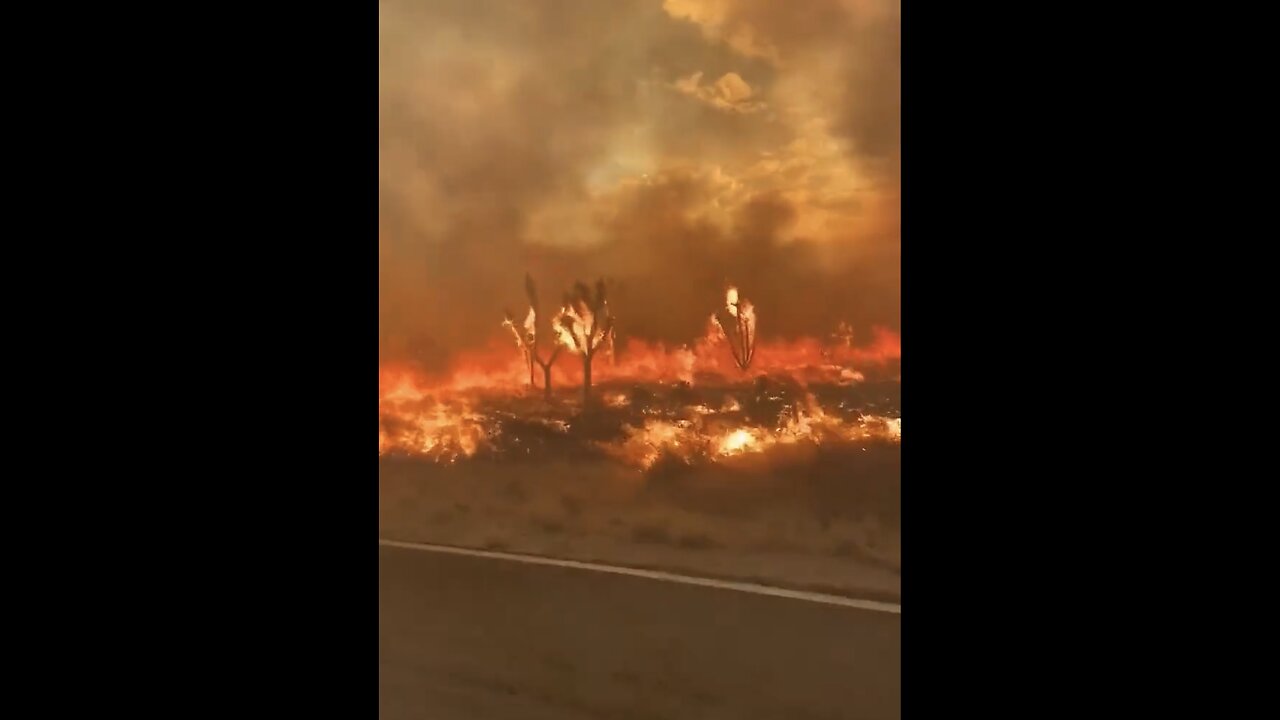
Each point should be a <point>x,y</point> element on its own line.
<point>669,146</point>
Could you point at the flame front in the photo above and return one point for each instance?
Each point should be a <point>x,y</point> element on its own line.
<point>732,422</point>
<point>690,403</point>
<point>715,438</point>
<point>806,360</point>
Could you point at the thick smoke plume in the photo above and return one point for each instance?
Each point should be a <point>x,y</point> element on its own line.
<point>668,147</point>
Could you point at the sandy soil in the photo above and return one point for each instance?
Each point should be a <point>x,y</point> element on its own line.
<point>823,519</point>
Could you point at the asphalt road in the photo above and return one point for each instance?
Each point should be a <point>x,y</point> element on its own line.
<point>481,639</point>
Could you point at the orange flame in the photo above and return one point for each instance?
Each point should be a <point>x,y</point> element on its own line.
<point>435,415</point>
<point>497,368</point>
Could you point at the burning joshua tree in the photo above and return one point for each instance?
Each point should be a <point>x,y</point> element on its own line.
<point>527,338</point>
<point>736,323</point>
<point>843,335</point>
<point>584,325</point>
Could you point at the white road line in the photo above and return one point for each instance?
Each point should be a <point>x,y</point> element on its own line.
<point>654,575</point>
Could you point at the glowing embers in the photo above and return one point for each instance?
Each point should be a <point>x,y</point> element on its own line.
<point>634,423</point>
<point>699,436</point>
<point>736,441</point>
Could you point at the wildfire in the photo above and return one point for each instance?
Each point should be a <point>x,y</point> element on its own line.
<point>693,403</point>
<point>579,330</point>
<point>713,439</point>
<point>584,324</point>
<point>497,369</point>
<point>736,441</point>
<point>635,432</point>
<point>524,340</point>
<point>443,432</point>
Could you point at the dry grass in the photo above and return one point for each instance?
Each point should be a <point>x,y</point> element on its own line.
<point>826,517</point>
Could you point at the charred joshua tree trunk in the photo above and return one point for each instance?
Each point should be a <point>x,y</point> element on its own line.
<point>546,370</point>
<point>546,379</point>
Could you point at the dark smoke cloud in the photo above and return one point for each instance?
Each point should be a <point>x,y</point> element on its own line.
<point>575,139</point>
